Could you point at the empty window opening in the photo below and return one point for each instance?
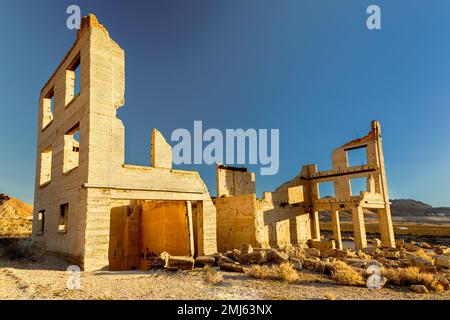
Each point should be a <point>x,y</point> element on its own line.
<point>63,216</point>
<point>41,222</point>
<point>48,105</point>
<point>73,77</point>
<point>326,189</point>
<point>358,185</point>
<point>357,156</point>
<point>46,166</point>
<point>71,148</point>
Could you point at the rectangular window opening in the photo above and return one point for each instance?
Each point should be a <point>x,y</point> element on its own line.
<point>73,77</point>
<point>41,222</point>
<point>326,190</point>
<point>357,156</point>
<point>63,215</point>
<point>46,166</point>
<point>71,148</point>
<point>48,107</point>
<point>358,185</point>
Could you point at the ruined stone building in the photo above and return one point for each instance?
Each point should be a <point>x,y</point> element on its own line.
<point>290,214</point>
<point>89,205</point>
<point>99,212</point>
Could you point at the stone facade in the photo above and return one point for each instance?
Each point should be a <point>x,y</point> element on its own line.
<point>99,212</point>
<point>81,178</point>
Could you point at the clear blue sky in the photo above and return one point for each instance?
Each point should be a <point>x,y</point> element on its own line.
<point>310,68</point>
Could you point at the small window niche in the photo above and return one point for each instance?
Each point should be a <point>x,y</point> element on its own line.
<point>326,190</point>
<point>71,148</point>
<point>63,216</point>
<point>46,166</point>
<point>357,156</point>
<point>41,222</point>
<point>73,77</point>
<point>358,185</point>
<point>48,107</point>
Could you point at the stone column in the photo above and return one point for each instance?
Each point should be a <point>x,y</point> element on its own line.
<point>359,229</point>
<point>191,228</point>
<point>315,226</point>
<point>386,228</point>
<point>336,229</point>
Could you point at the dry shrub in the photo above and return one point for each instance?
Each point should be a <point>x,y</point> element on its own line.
<point>284,272</point>
<point>412,275</point>
<point>346,275</point>
<point>212,276</point>
<point>259,272</point>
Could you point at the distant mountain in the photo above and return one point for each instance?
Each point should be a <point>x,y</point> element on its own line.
<point>409,207</point>
<point>16,216</point>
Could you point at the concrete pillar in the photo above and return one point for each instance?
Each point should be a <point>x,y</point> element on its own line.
<point>191,228</point>
<point>359,229</point>
<point>315,226</point>
<point>386,228</point>
<point>336,229</point>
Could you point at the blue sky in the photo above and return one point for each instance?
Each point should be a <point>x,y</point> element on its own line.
<point>310,68</point>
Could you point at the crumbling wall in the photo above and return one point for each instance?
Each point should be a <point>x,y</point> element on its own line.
<point>238,222</point>
<point>232,181</point>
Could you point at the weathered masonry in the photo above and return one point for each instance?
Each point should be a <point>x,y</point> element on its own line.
<point>290,214</point>
<point>90,206</point>
<point>99,212</point>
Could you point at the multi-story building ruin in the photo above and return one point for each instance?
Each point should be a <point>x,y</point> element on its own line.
<point>86,204</point>
<point>290,214</point>
<point>99,212</point>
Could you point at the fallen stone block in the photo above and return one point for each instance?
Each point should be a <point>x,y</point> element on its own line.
<point>322,245</point>
<point>421,263</point>
<point>419,288</point>
<point>357,263</point>
<point>442,261</point>
<point>232,267</point>
<point>411,247</point>
<point>296,263</point>
<point>442,250</point>
<point>255,257</point>
<point>312,253</point>
<point>236,254</point>
<point>392,254</point>
<point>246,248</point>
<point>180,263</point>
<point>155,263</point>
<point>346,253</point>
<point>425,245</point>
<point>202,261</point>
<point>223,259</point>
<point>329,253</point>
<point>276,256</point>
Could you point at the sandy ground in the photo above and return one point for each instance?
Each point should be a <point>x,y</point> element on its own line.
<point>47,280</point>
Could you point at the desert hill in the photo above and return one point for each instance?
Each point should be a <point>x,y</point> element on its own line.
<point>16,216</point>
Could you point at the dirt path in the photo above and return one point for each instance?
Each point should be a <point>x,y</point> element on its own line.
<point>47,280</point>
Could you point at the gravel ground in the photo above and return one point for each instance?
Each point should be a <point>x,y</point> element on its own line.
<point>47,280</point>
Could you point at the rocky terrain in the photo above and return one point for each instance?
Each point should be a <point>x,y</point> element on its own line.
<point>314,271</point>
<point>16,217</point>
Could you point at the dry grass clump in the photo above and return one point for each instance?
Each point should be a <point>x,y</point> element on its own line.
<point>412,275</point>
<point>284,272</point>
<point>212,276</point>
<point>342,273</point>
